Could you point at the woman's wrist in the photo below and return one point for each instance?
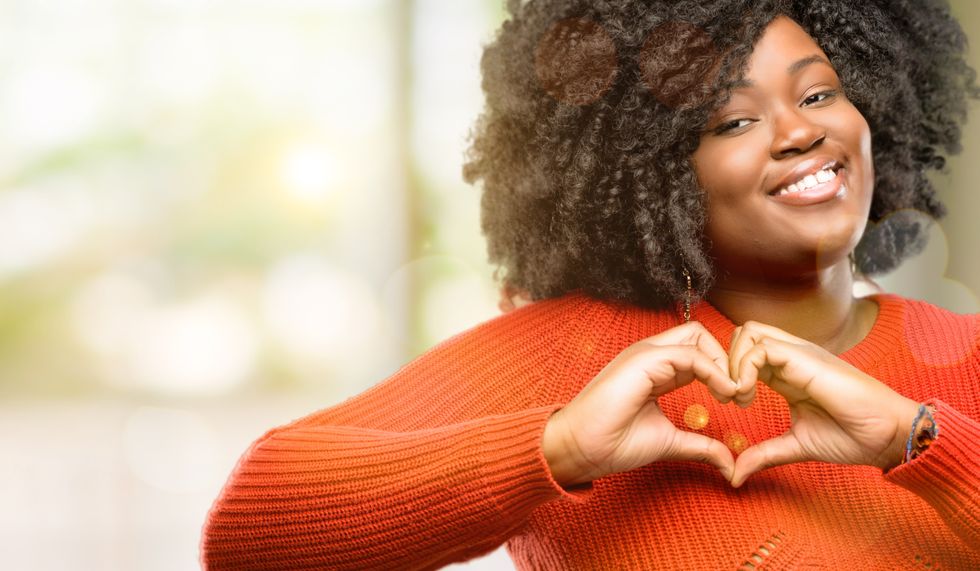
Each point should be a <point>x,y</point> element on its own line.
<point>924,432</point>
<point>564,470</point>
<point>917,430</point>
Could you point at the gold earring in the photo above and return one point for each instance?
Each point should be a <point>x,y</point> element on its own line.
<point>688,295</point>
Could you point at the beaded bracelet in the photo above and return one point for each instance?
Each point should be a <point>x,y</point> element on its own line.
<point>922,435</point>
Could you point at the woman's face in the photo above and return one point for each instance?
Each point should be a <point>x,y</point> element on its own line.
<point>786,164</point>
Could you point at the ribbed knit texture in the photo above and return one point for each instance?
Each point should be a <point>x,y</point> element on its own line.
<point>442,462</point>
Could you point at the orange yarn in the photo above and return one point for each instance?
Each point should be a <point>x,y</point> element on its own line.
<point>442,462</point>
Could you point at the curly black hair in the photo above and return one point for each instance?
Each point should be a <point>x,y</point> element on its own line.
<point>594,108</point>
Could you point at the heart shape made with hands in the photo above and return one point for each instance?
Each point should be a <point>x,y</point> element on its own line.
<point>838,413</point>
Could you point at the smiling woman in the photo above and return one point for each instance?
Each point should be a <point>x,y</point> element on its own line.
<point>683,189</point>
<point>787,170</point>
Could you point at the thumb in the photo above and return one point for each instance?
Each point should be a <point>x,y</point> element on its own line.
<point>700,448</point>
<point>783,449</point>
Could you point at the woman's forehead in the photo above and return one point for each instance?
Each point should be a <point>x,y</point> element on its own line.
<point>784,50</point>
<point>782,40</point>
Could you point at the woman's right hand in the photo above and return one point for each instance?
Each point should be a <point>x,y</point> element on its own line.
<point>615,423</point>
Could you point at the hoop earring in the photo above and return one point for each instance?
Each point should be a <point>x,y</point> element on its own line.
<point>688,295</point>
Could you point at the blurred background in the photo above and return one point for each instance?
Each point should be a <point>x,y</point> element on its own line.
<point>217,216</point>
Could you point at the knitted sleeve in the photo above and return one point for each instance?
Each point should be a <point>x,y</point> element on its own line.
<point>947,474</point>
<point>439,463</point>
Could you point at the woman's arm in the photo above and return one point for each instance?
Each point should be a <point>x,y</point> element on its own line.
<point>440,463</point>
<point>447,459</point>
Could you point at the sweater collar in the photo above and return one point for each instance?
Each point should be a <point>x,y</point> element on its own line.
<point>884,336</point>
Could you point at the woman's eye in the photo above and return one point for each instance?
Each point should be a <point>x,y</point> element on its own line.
<point>820,97</point>
<point>731,125</point>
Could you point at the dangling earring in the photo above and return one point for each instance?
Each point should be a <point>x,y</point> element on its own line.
<point>854,265</point>
<point>688,295</point>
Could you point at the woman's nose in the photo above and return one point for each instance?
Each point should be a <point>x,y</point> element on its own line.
<point>794,133</point>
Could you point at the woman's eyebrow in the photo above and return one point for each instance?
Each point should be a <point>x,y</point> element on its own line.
<point>798,65</point>
<point>793,68</point>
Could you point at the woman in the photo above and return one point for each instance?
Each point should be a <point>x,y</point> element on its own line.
<point>682,188</point>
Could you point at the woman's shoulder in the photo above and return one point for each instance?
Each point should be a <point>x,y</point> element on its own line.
<point>931,328</point>
<point>925,312</point>
<point>577,309</point>
<point>567,317</point>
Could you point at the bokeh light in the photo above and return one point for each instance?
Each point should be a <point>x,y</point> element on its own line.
<point>924,277</point>
<point>457,301</point>
<point>736,441</point>
<point>41,224</point>
<point>325,317</point>
<point>309,171</point>
<point>203,346</point>
<point>106,312</point>
<point>696,416</point>
<point>37,113</point>
<point>171,450</point>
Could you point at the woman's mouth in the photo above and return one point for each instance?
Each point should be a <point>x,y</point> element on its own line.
<point>821,186</point>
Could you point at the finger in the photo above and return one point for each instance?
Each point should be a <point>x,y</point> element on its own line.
<point>744,340</point>
<point>834,385</point>
<point>666,368</point>
<point>700,448</point>
<point>783,449</point>
<point>741,342</point>
<point>750,369</point>
<point>765,354</point>
<point>735,334</point>
<point>751,333</point>
<point>765,330</point>
<point>734,340</point>
<point>774,362</point>
<point>693,333</point>
<point>746,391</point>
<point>643,371</point>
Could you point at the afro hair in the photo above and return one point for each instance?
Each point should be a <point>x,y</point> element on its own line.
<point>594,108</point>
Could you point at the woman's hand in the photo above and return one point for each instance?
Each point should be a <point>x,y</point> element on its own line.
<point>615,423</point>
<point>838,413</point>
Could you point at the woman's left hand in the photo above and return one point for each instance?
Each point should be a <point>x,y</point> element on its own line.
<point>838,413</point>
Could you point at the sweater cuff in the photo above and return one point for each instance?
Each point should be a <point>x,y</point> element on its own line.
<point>518,476</point>
<point>945,474</point>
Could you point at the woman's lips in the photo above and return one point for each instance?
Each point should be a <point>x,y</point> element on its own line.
<point>823,192</point>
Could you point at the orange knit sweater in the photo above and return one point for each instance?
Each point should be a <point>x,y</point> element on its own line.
<point>442,462</point>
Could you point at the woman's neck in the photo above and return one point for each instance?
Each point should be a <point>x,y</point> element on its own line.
<point>820,308</point>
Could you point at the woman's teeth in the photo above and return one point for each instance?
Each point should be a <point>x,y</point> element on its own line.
<point>809,181</point>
